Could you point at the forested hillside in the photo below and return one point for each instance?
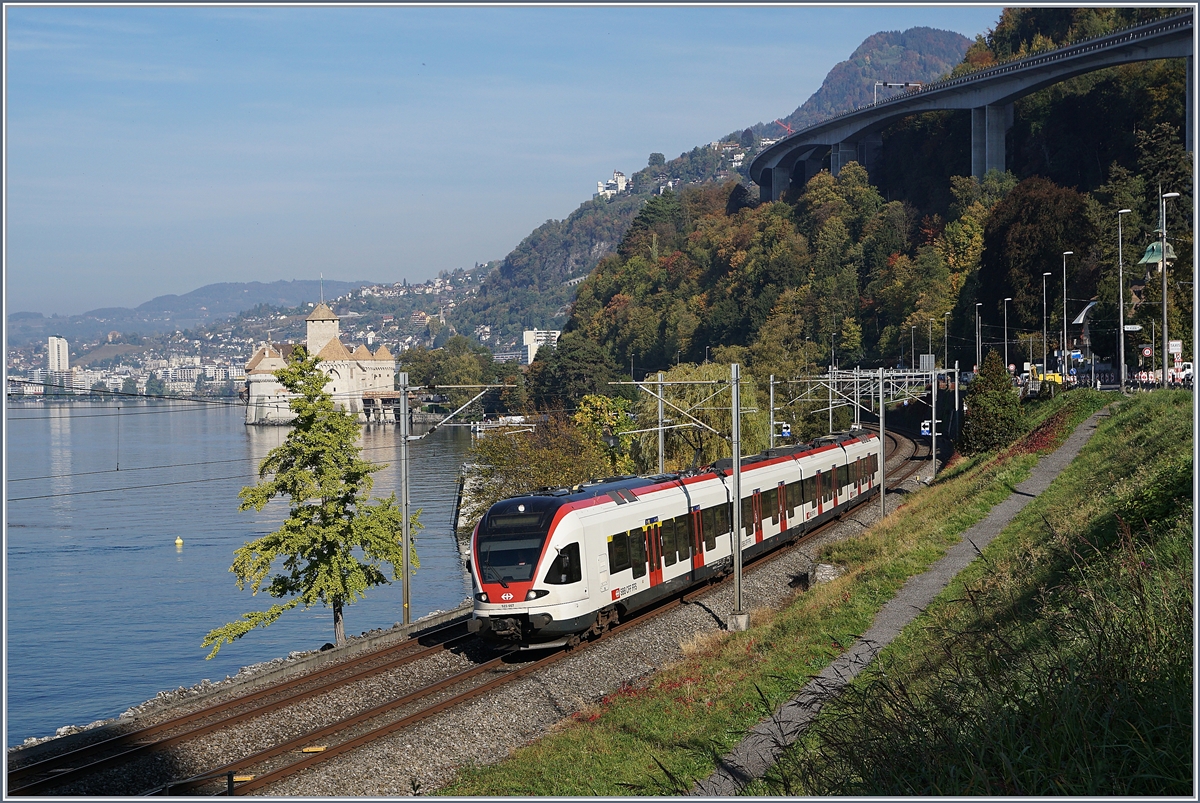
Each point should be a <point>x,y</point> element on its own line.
<point>782,285</point>
<point>528,288</point>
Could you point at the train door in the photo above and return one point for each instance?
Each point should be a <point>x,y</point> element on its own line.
<point>697,529</point>
<point>758,516</point>
<point>654,550</point>
<point>781,500</point>
<point>820,494</point>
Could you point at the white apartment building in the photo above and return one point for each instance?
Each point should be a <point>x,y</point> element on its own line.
<point>58,355</point>
<point>533,339</point>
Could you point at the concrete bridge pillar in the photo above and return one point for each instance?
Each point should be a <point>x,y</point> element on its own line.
<point>781,181</point>
<point>870,153</point>
<point>842,154</point>
<point>989,124</point>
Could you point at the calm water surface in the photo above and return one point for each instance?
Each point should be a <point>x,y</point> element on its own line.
<point>104,611</point>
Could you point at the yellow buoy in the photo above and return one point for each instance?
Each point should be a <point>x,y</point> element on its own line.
<point>178,540</point>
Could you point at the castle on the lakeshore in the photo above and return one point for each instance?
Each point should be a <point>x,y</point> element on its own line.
<point>359,381</point>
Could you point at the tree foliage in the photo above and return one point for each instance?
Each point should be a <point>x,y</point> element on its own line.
<point>993,416</point>
<point>336,539</point>
<point>552,453</point>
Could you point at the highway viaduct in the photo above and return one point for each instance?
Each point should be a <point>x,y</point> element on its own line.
<point>989,94</point>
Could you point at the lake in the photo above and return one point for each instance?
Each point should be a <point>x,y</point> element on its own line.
<point>103,610</point>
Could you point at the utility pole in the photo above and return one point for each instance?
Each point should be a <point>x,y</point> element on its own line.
<point>406,535</point>
<point>771,436</point>
<point>739,620</point>
<point>882,449</point>
<point>661,462</point>
<point>1162,256</point>
<point>1121,298</point>
<point>933,426</point>
<point>1065,350</point>
<point>831,400</point>
<point>954,417</point>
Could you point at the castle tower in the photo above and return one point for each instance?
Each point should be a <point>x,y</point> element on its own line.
<point>322,329</point>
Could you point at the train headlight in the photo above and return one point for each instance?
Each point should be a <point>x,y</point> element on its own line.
<point>481,596</point>
<point>534,594</point>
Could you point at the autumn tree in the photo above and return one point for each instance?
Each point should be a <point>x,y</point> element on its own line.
<point>332,546</point>
<point>552,453</point>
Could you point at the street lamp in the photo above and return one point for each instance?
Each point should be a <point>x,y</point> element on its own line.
<point>978,337</point>
<point>1062,350</point>
<point>913,346</point>
<point>1162,219</point>
<point>946,346</point>
<point>1006,333</point>
<point>1121,297</point>
<point>931,337</point>
<point>1044,275</point>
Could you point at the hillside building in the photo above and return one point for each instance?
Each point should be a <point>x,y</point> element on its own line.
<point>359,381</point>
<point>533,339</point>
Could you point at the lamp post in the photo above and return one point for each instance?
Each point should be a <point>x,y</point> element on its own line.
<point>946,346</point>
<point>912,344</point>
<point>1044,275</point>
<point>1121,299</point>
<point>1006,333</point>
<point>978,337</point>
<point>1162,255</point>
<point>1062,350</point>
<point>931,337</point>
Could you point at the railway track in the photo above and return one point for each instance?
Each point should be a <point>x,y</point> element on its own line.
<point>265,767</point>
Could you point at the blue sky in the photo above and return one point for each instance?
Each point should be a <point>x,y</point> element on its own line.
<point>156,150</point>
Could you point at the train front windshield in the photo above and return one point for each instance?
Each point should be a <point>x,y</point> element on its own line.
<point>511,538</point>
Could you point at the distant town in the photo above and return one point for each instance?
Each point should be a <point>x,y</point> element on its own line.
<point>212,360</point>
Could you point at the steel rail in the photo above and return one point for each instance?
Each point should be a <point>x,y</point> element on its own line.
<point>301,687</point>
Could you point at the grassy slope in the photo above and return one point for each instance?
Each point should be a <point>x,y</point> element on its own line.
<point>1060,664</point>
<point>658,736</point>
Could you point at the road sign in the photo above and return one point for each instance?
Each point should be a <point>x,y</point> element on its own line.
<point>1072,372</point>
<point>1076,355</point>
<point>1147,351</point>
<point>1133,327</point>
<point>1175,346</point>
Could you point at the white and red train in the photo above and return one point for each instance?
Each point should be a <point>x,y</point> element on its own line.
<point>555,565</point>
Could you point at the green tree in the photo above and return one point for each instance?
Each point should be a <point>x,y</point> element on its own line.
<point>993,413</point>
<point>335,540</point>
<point>549,454</point>
<point>129,386</point>
<point>598,417</point>
<point>155,386</point>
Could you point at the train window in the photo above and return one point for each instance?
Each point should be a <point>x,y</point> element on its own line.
<point>793,498</point>
<point>566,568</point>
<point>618,553</point>
<point>683,536</point>
<point>637,552</point>
<point>770,505</point>
<point>668,542</point>
<point>724,518</point>
<point>806,491</point>
<point>748,515</point>
<point>709,519</point>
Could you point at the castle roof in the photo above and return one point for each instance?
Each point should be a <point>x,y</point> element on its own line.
<point>384,354</point>
<point>361,353</point>
<point>334,351</point>
<point>277,353</point>
<point>322,313</point>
